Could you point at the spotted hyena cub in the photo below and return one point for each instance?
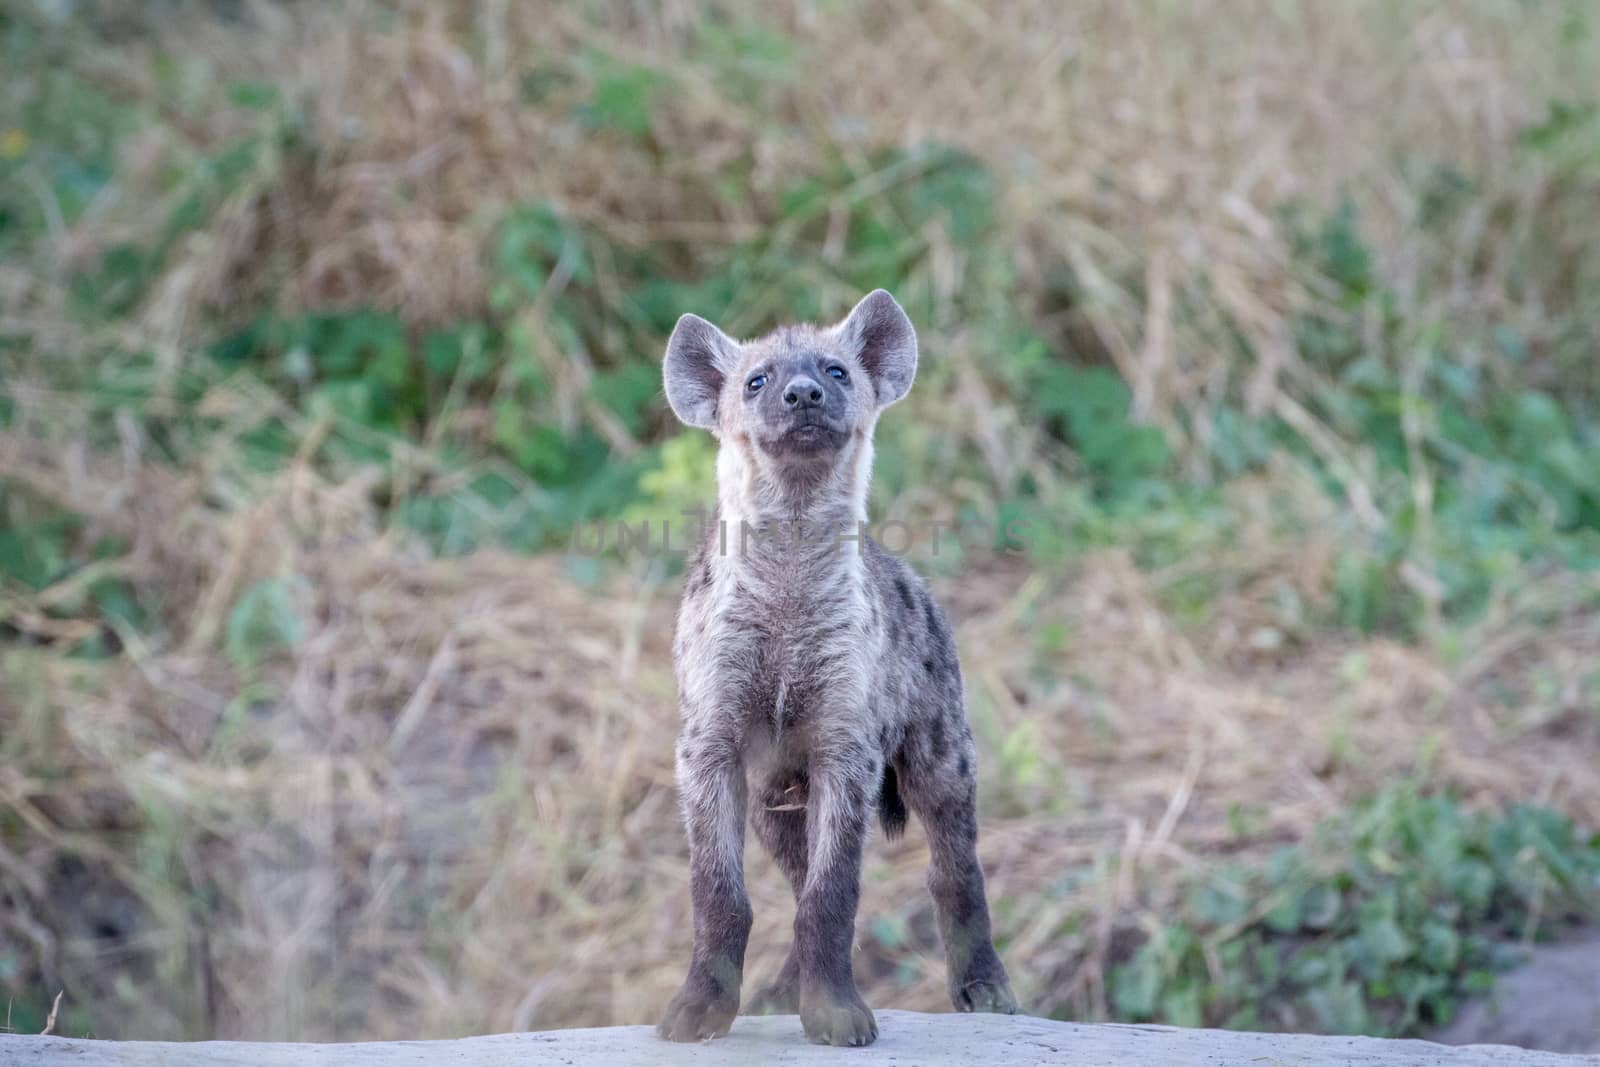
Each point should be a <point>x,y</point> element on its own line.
<point>817,679</point>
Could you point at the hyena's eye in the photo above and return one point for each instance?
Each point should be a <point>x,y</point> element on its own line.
<point>756,383</point>
<point>837,372</point>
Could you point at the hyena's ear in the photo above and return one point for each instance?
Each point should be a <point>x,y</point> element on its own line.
<point>699,357</point>
<point>883,339</point>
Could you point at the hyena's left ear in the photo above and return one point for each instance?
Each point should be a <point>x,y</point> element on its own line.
<point>699,356</point>
<point>883,339</point>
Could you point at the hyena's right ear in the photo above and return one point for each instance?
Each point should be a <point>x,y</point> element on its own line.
<point>699,357</point>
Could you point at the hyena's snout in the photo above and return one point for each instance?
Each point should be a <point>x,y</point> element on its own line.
<point>802,392</point>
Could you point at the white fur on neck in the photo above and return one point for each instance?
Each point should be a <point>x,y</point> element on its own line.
<point>753,493</point>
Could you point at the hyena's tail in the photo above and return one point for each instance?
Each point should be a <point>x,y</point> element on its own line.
<point>891,809</point>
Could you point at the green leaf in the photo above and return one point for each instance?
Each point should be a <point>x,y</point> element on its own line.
<point>1181,1006</point>
<point>1219,902</point>
<point>1340,1008</point>
<point>1136,985</point>
<point>1562,121</point>
<point>253,95</point>
<point>264,621</point>
<point>1441,946</point>
<point>34,553</point>
<point>1320,906</point>
<point>1382,940</point>
<point>1091,405</point>
<point>628,392</point>
<point>624,96</point>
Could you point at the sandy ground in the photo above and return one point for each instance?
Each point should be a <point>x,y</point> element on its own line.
<point>906,1039</point>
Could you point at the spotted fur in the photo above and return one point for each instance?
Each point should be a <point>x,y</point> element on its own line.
<point>817,679</point>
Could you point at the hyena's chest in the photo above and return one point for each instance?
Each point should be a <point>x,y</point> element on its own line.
<point>785,657</point>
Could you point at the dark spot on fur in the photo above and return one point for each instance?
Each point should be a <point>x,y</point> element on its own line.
<point>935,630</point>
<point>964,768</point>
<point>905,593</point>
<point>936,739</point>
<point>927,665</point>
<point>699,576</point>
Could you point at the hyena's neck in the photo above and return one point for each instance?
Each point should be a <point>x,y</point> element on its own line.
<point>780,523</point>
<point>762,496</point>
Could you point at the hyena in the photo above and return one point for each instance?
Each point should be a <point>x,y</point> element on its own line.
<point>817,678</point>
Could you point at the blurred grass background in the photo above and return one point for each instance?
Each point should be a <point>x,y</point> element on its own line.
<point>321,326</point>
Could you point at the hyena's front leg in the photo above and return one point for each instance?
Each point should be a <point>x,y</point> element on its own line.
<point>831,1009</point>
<point>711,790</point>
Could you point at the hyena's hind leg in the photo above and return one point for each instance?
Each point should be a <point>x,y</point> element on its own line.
<point>937,771</point>
<point>778,817</point>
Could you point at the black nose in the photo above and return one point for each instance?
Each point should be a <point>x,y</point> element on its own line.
<point>802,392</point>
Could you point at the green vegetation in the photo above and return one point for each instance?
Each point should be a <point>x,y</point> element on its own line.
<point>1379,925</point>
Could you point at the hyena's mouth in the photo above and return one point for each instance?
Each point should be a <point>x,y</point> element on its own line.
<point>807,438</point>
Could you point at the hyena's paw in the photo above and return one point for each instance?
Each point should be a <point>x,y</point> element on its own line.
<point>837,1018</point>
<point>985,995</point>
<point>698,1013</point>
<point>781,996</point>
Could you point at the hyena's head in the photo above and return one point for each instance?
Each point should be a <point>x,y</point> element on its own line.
<point>801,402</point>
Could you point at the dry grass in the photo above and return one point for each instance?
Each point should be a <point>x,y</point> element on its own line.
<point>448,807</point>
<point>1132,158</point>
<point>1145,146</point>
